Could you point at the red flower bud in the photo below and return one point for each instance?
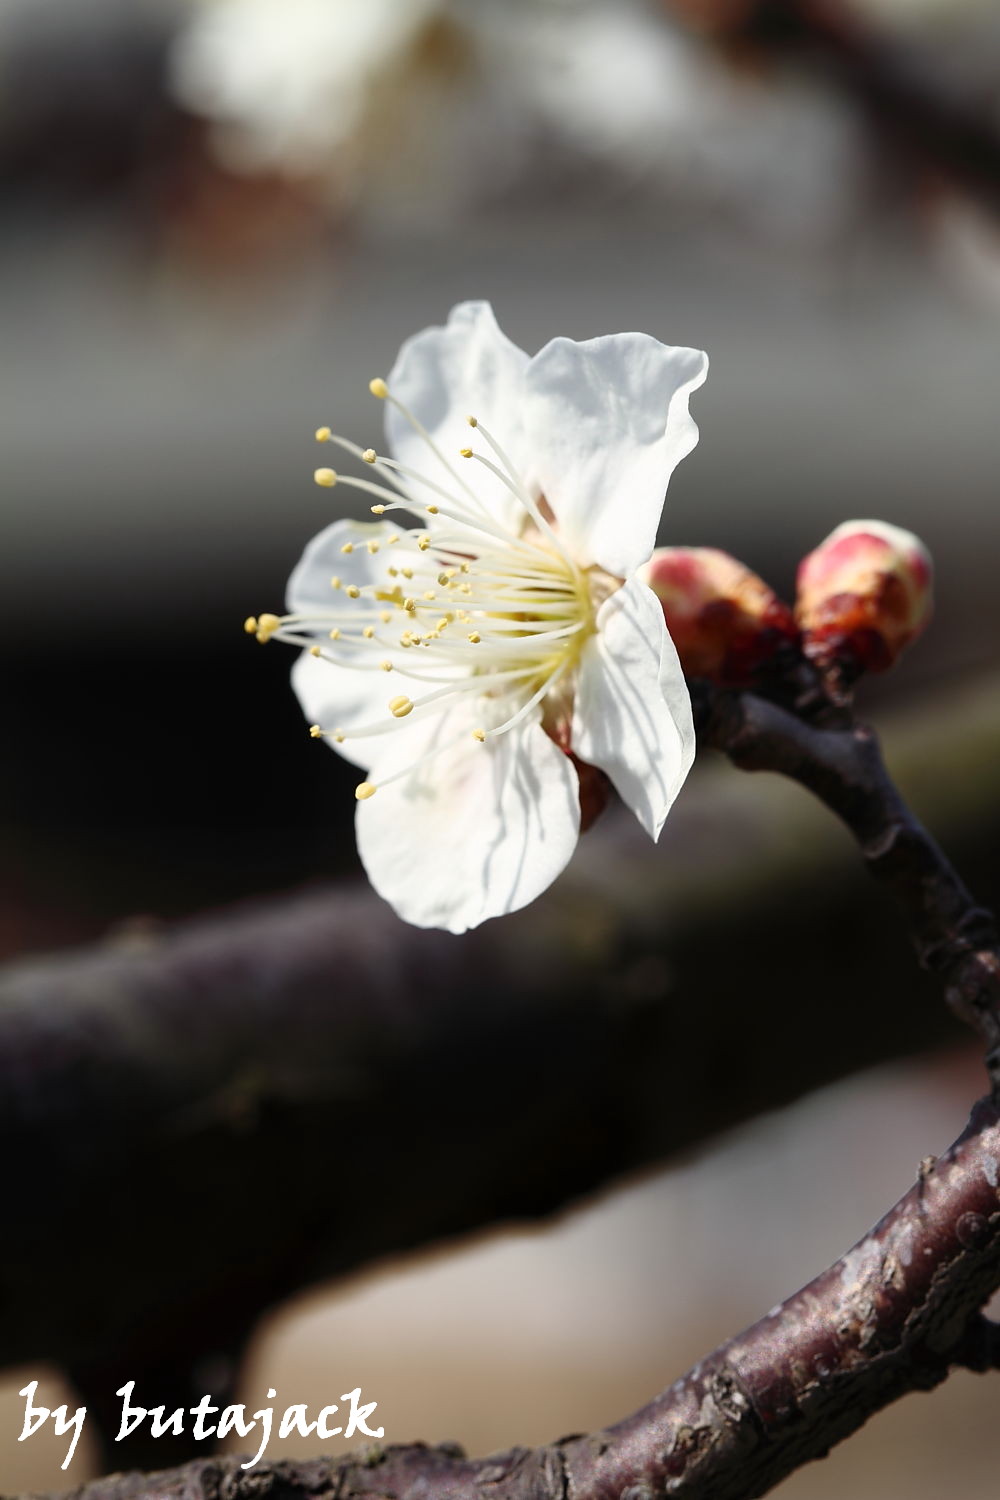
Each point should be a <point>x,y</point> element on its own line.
<point>863,595</point>
<point>725,621</point>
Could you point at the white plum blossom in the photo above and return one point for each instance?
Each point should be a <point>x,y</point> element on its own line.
<point>290,82</point>
<point>469,664</point>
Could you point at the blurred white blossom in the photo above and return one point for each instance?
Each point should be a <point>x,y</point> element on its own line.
<point>289,80</point>
<point>459,95</point>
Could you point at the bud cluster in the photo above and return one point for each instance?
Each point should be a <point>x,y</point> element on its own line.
<point>862,596</point>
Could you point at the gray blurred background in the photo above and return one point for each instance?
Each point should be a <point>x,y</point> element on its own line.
<point>219,219</point>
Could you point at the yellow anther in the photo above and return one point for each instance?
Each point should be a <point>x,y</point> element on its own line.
<point>423,543</point>
<point>443,579</point>
<point>378,510</point>
<point>368,632</point>
<point>429,594</point>
<point>335,582</point>
<point>364,790</point>
<point>322,434</point>
<point>352,591</point>
<point>400,707</point>
<point>410,605</point>
<point>474,637</point>
<point>465,452</point>
<point>378,388</point>
<point>315,731</point>
<point>386,666</point>
<point>465,588</point>
<point>347,548</point>
<point>393,572</point>
<point>372,546</point>
<point>335,634</point>
<point>315,651</point>
<point>480,735</point>
<point>326,477</point>
<point>250,624</point>
<point>385,616</point>
<point>266,626</point>
<point>338,736</point>
<point>441,624</point>
<point>406,572</point>
<point>369,455</point>
<point>406,639</point>
<point>472,421</point>
<point>393,538</point>
<point>432,510</point>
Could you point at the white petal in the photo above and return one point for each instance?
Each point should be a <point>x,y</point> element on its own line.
<point>444,375</point>
<point>339,698</point>
<point>309,588</point>
<point>477,831</point>
<point>607,422</point>
<point>632,715</point>
<point>343,697</point>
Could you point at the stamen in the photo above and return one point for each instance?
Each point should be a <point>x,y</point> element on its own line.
<point>517,596</point>
<point>384,393</point>
<point>509,476</point>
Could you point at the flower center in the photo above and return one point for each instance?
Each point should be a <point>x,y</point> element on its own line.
<point>467,607</point>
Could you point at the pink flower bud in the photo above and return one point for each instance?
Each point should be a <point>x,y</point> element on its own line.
<point>863,595</point>
<point>725,621</point>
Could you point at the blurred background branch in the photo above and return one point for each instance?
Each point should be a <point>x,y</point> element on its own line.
<point>215,1067</point>
<point>891,1317</point>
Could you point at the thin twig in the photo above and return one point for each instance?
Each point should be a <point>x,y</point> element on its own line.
<point>953,935</point>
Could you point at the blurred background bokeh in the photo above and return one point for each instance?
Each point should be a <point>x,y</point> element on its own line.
<point>220,218</point>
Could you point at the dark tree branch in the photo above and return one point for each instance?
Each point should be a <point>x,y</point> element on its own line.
<point>205,1068</point>
<point>953,936</point>
<point>931,125</point>
<point>890,1317</point>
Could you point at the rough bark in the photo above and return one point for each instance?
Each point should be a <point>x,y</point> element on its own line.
<point>177,1087</point>
<point>890,1317</point>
